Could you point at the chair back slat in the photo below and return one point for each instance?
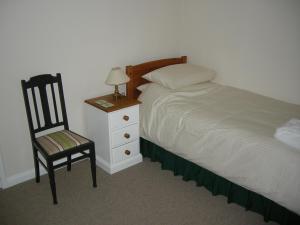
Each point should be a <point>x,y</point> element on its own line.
<point>35,108</point>
<point>41,99</point>
<point>45,105</point>
<point>54,102</point>
<point>62,101</point>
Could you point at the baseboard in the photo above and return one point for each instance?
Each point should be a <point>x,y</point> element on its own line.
<point>103,164</point>
<point>21,177</point>
<point>2,173</point>
<point>28,175</point>
<point>118,166</point>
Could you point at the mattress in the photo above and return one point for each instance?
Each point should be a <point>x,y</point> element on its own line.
<point>229,132</point>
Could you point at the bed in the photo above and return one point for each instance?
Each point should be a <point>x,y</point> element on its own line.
<point>222,138</point>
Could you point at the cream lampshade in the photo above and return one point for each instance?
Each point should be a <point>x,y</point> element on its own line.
<point>116,77</point>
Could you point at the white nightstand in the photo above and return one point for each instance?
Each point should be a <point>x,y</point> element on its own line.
<point>115,131</point>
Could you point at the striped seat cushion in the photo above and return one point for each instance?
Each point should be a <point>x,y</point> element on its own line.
<point>60,141</point>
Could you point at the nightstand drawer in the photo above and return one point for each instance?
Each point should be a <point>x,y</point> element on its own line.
<point>124,117</point>
<point>125,135</point>
<point>125,151</point>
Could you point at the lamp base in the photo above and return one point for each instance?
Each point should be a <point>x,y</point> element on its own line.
<point>117,94</point>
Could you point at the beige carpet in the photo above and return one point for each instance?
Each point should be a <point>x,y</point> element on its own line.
<point>141,195</point>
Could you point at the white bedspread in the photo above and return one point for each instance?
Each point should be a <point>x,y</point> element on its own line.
<point>229,132</point>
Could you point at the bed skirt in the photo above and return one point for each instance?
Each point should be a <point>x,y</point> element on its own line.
<point>218,185</point>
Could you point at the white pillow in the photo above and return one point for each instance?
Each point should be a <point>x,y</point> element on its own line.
<point>143,87</point>
<point>180,75</point>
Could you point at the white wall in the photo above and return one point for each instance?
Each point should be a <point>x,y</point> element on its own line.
<point>81,39</point>
<point>253,44</point>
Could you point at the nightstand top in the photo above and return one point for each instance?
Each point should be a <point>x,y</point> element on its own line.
<point>121,103</point>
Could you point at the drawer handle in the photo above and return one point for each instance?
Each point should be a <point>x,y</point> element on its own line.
<point>126,118</point>
<point>127,152</point>
<point>126,135</point>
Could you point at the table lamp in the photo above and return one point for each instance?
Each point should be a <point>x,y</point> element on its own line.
<point>116,77</point>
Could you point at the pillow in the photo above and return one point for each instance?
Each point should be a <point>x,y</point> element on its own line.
<point>143,87</point>
<point>180,75</point>
<point>152,93</point>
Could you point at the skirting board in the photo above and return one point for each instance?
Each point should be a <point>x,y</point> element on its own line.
<point>28,175</point>
<point>118,166</point>
<point>2,174</point>
<point>20,178</point>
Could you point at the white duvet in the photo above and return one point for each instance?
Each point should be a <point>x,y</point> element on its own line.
<point>229,132</point>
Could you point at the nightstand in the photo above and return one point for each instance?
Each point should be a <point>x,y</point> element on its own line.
<point>115,131</point>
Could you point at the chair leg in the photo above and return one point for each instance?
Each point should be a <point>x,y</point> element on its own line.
<point>36,165</point>
<point>69,163</point>
<point>93,164</point>
<point>52,181</point>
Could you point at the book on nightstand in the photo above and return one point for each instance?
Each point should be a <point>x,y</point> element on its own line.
<point>104,103</point>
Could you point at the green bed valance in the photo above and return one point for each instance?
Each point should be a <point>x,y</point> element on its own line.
<point>218,185</point>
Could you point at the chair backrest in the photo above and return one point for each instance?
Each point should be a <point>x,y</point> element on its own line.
<point>37,91</point>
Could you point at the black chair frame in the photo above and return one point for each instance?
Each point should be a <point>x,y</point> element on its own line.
<point>40,82</point>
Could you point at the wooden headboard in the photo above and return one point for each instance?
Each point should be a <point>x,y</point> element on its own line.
<point>136,72</point>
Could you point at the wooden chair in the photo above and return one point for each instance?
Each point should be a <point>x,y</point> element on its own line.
<point>56,145</point>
